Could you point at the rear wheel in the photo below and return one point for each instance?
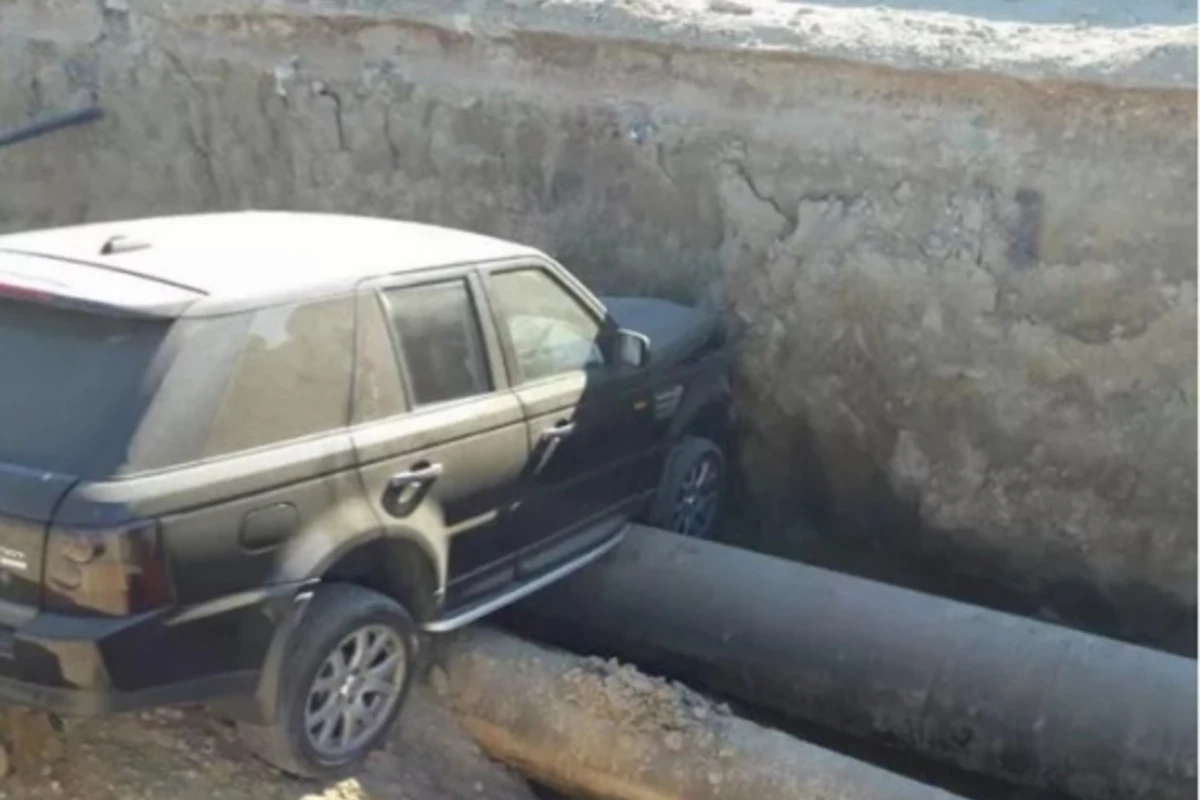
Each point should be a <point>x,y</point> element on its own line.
<point>348,670</point>
<point>692,492</point>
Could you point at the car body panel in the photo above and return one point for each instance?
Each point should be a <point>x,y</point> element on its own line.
<point>465,513</point>
<point>478,445</point>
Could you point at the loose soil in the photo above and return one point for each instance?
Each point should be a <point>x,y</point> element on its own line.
<point>188,754</point>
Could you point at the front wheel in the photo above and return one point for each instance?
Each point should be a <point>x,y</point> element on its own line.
<point>691,495</point>
<point>348,671</point>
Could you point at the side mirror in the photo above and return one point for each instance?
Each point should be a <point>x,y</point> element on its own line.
<point>633,349</point>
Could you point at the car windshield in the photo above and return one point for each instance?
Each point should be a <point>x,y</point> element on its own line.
<point>72,386</point>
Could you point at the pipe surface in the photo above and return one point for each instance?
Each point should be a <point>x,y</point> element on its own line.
<point>996,694</point>
<point>590,728</point>
<point>49,124</point>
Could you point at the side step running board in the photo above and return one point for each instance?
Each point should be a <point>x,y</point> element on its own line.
<point>521,591</point>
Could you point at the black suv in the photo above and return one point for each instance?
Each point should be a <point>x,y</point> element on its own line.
<point>249,456</point>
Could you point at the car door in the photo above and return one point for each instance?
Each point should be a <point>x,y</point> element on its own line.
<point>587,415</point>
<point>441,439</point>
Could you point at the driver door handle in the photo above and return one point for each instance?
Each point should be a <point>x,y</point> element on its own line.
<point>420,473</point>
<point>560,430</point>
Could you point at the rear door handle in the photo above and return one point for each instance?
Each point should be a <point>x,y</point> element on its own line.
<point>560,431</point>
<point>420,473</point>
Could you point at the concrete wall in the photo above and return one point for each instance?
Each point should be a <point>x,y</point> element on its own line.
<point>967,300</point>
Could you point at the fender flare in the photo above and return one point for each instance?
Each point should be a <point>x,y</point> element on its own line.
<point>707,407</point>
<point>290,608</point>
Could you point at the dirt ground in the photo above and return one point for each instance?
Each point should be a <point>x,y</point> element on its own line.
<point>188,754</point>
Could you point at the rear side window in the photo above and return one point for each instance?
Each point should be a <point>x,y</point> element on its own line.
<point>440,343</point>
<point>72,386</point>
<point>291,380</point>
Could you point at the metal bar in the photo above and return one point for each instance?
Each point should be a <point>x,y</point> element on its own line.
<point>54,122</point>
<point>1031,703</point>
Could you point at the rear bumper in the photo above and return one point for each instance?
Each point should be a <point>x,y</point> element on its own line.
<point>75,702</point>
<point>79,666</point>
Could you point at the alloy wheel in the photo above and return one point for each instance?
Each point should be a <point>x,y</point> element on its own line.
<point>698,499</point>
<point>354,691</point>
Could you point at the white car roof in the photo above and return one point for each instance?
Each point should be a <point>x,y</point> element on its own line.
<point>247,257</point>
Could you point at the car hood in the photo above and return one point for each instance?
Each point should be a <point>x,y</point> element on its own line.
<point>673,328</point>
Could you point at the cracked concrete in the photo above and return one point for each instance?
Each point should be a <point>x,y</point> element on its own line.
<point>966,302</point>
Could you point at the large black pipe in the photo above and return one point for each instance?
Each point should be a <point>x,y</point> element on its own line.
<point>1036,704</point>
<point>49,124</point>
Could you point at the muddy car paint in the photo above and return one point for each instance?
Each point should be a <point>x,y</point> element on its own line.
<point>454,508</point>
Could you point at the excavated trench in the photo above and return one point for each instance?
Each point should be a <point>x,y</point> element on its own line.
<point>956,242</point>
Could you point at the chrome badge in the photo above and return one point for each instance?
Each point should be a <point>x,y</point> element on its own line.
<point>14,560</point>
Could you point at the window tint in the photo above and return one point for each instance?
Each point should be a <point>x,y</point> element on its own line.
<point>379,393</point>
<point>176,425</point>
<point>439,338</point>
<point>550,332</point>
<point>72,386</point>
<point>292,380</point>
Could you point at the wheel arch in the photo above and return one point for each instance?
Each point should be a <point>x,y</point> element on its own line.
<point>403,568</point>
<point>706,414</point>
<point>710,420</point>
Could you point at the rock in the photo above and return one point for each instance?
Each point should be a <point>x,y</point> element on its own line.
<point>437,681</point>
<point>729,7</point>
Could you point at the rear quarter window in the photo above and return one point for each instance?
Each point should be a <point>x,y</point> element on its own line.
<point>291,380</point>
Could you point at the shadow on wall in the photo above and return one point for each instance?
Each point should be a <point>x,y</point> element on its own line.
<point>789,501</point>
<point>604,260</point>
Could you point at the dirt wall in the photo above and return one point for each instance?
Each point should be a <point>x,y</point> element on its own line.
<point>966,299</point>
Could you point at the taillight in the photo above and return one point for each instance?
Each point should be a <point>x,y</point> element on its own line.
<point>113,572</point>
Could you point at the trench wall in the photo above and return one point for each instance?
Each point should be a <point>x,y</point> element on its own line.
<point>965,301</point>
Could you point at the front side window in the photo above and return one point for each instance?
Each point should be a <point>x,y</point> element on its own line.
<point>440,342</point>
<point>292,378</point>
<point>551,332</point>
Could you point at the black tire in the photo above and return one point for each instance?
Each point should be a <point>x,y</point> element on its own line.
<point>684,459</point>
<point>334,613</point>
